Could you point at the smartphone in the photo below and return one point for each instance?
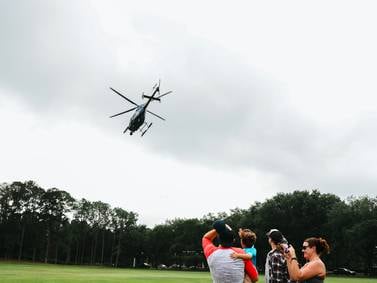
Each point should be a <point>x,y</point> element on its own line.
<point>285,247</point>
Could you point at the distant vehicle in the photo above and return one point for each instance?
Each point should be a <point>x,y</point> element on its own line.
<point>174,266</point>
<point>162,266</point>
<point>144,265</point>
<point>138,118</point>
<point>344,271</point>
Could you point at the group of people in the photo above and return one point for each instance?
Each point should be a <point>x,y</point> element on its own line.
<point>229,264</point>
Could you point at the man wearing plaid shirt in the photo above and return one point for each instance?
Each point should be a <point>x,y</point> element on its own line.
<point>276,270</point>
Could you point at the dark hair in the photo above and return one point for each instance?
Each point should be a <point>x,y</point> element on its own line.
<point>226,238</point>
<point>321,245</point>
<point>248,237</point>
<point>276,236</point>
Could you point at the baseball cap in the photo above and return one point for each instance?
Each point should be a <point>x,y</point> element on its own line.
<point>275,235</point>
<point>225,233</point>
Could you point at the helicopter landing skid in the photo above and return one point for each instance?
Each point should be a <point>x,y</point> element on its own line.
<point>142,134</point>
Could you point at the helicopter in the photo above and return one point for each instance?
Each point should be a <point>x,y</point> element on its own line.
<point>137,121</point>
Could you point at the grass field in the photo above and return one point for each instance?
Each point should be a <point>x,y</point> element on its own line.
<point>43,273</point>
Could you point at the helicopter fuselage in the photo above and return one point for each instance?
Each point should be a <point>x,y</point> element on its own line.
<point>137,118</point>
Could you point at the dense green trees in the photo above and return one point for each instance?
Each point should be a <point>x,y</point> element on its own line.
<point>51,226</point>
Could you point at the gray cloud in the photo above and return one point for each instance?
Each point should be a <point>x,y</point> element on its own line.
<point>52,54</point>
<point>223,113</point>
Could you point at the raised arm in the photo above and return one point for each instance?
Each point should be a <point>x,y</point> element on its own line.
<point>210,235</point>
<point>208,246</point>
<point>309,270</point>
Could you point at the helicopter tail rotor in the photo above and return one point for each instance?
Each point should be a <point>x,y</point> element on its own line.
<point>151,98</point>
<point>166,93</point>
<point>156,88</point>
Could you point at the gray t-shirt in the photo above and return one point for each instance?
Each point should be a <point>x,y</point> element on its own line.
<point>224,269</point>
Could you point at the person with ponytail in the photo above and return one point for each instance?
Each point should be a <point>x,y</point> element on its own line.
<point>314,271</point>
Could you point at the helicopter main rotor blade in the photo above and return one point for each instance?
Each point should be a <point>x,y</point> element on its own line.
<point>123,112</point>
<point>166,93</point>
<point>129,100</point>
<point>155,115</point>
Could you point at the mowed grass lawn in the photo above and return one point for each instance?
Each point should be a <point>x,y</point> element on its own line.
<point>43,273</point>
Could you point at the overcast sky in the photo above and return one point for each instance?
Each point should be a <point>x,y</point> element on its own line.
<point>267,97</point>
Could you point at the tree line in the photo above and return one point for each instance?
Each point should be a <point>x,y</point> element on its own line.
<point>51,226</point>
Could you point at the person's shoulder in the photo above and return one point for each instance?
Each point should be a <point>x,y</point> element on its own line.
<point>238,250</point>
<point>209,248</point>
<point>277,254</point>
<point>315,263</point>
<point>253,249</point>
